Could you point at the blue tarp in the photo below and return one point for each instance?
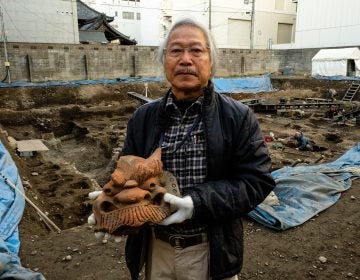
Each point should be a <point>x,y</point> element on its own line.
<point>244,85</point>
<point>222,85</point>
<point>81,82</point>
<point>304,191</point>
<point>12,205</point>
<point>336,78</point>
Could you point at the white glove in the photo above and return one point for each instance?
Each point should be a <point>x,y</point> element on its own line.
<point>92,221</point>
<point>184,209</point>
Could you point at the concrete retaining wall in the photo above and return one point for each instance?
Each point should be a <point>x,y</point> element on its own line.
<point>57,62</point>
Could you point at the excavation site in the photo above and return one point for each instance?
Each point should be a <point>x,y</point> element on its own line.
<point>65,141</point>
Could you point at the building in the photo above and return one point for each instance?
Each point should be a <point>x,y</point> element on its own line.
<point>40,21</point>
<point>233,22</point>
<point>139,18</point>
<point>58,21</point>
<point>254,24</point>
<point>328,23</point>
<point>94,27</point>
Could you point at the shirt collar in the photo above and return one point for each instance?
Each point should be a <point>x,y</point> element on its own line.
<point>170,105</point>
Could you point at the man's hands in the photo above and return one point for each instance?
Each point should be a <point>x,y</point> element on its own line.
<point>93,195</point>
<point>184,209</point>
<point>92,221</point>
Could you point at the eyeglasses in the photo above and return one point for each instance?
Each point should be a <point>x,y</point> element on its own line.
<point>194,51</point>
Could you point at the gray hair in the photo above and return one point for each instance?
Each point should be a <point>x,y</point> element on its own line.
<point>204,30</point>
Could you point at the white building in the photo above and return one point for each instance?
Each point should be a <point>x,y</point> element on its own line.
<point>40,21</point>
<point>273,22</point>
<point>231,21</point>
<point>327,23</point>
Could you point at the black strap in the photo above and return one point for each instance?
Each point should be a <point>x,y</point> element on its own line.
<point>187,135</point>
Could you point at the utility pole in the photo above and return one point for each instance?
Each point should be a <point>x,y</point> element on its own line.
<point>209,14</point>
<point>3,35</point>
<point>252,25</point>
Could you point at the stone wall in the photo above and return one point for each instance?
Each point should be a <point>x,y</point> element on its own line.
<point>57,62</point>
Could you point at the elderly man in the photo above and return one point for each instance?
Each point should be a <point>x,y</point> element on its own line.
<point>214,147</point>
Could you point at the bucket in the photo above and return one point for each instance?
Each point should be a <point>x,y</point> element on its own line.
<point>287,70</point>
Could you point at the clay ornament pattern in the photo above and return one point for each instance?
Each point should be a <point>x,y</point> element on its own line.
<point>134,195</point>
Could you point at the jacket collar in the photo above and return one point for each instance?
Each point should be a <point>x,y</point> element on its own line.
<point>164,118</point>
<point>209,94</point>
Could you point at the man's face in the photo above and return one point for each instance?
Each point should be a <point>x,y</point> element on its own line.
<point>187,62</point>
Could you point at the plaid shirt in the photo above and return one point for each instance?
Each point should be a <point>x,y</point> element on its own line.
<point>184,153</point>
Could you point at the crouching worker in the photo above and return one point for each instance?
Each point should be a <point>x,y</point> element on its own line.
<point>303,142</point>
<point>213,145</point>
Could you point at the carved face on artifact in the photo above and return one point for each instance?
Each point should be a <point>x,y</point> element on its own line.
<point>134,195</point>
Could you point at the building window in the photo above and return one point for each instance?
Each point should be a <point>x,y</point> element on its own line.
<point>138,16</point>
<point>116,13</point>
<point>239,32</point>
<point>284,33</point>
<point>128,15</point>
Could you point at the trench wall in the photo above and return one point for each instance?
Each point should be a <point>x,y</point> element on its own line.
<point>58,62</point>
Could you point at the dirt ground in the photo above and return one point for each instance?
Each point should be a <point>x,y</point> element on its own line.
<point>84,128</point>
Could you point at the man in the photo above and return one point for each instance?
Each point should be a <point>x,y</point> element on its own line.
<point>214,147</point>
<point>303,142</point>
<point>331,94</point>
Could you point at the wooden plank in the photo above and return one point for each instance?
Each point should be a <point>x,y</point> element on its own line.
<point>140,97</point>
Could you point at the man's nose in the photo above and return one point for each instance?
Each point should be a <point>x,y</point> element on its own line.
<point>186,57</point>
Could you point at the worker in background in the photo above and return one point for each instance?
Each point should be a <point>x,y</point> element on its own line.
<point>303,142</point>
<point>331,94</point>
<point>333,111</point>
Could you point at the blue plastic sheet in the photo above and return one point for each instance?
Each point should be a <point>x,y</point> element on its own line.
<point>304,191</point>
<point>222,85</point>
<point>12,205</point>
<point>255,84</point>
<point>336,78</point>
<point>81,82</point>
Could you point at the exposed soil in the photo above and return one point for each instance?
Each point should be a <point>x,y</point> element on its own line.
<point>84,128</point>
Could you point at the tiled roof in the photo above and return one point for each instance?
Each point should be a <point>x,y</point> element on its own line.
<point>92,20</point>
<point>87,13</point>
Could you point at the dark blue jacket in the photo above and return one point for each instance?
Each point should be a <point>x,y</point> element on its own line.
<point>303,142</point>
<point>238,176</point>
